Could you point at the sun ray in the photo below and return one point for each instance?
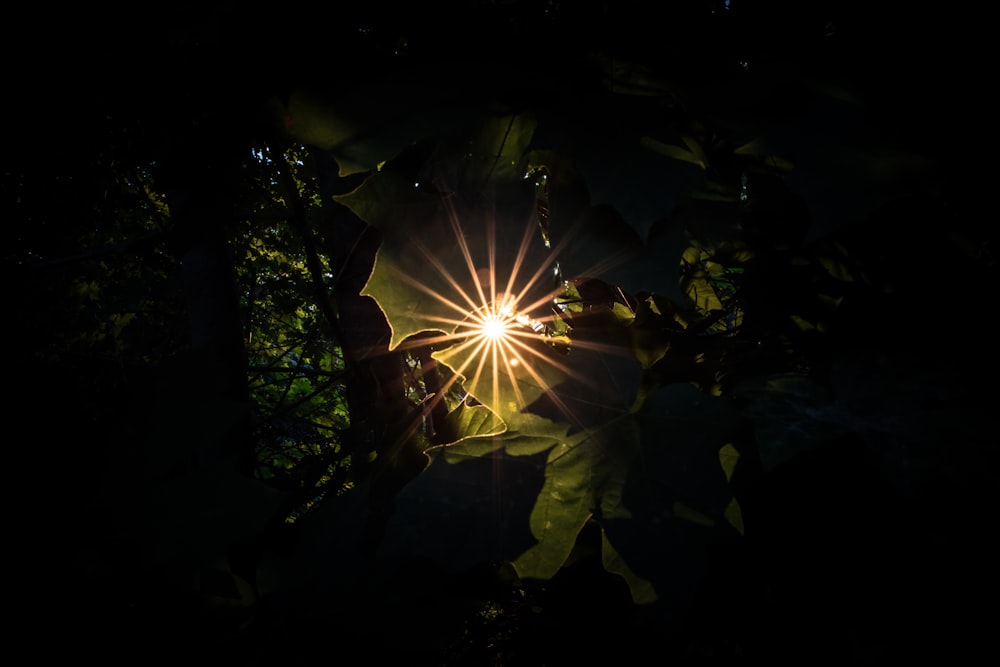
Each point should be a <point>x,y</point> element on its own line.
<point>474,341</point>
<point>452,282</point>
<point>491,254</point>
<point>494,350</point>
<point>553,396</point>
<point>513,341</point>
<point>509,366</point>
<point>474,381</point>
<point>413,282</point>
<point>602,348</point>
<point>522,253</point>
<point>481,357</point>
<point>470,264</point>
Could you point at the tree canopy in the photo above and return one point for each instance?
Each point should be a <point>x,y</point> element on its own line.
<point>471,332</point>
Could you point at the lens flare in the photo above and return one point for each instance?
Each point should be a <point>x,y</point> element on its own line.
<point>499,329</point>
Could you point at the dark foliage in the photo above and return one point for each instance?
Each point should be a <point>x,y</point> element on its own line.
<point>852,552</point>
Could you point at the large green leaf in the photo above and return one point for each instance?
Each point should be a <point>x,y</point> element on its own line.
<point>473,242</point>
<point>447,253</point>
<point>584,474</point>
<point>473,421</point>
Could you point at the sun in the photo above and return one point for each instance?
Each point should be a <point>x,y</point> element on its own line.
<point>494,323</point>
<point>494,327</point>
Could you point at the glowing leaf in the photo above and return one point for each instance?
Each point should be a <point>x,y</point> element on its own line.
<point>444,256</point>
<point>464,260</point>
<point>474,421</point>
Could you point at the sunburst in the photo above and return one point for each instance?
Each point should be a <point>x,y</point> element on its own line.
<point>494,324</point>
<point>502,353</point>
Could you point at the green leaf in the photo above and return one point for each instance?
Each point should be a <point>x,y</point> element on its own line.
<point>473,421</point>
<point>444,256</point>
<point>584,474</point>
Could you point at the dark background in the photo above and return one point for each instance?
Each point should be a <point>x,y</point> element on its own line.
<point>837,565</point>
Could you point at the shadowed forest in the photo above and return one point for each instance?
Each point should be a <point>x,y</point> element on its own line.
<point>501,332</point>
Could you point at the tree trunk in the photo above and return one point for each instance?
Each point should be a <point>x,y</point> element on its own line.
<point>201,206</point>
